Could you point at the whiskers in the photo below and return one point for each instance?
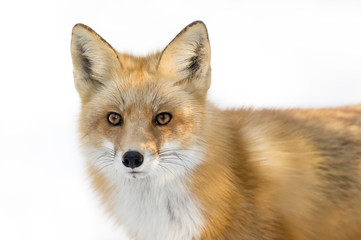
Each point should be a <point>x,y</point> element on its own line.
<point>104,159</point>
<point>169,163</point>
<point>177,161</point>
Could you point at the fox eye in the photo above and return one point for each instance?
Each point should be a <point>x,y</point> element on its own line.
<point>114,119</point>
<point>163,118</point>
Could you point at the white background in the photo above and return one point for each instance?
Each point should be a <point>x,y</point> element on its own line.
<point>264,54</point>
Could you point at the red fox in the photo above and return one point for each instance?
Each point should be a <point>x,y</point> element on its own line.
<point>169,165</point>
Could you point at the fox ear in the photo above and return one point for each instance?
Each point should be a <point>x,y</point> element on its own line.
<point>95,61</point>
<point>186,59</point>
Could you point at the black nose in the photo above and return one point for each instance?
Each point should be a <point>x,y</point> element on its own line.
<point>132,159</point>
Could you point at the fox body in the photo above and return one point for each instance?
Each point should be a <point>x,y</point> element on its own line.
<point>170,165</point>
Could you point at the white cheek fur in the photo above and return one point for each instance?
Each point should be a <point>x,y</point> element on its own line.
<point>175,161</point>
<point>160,205</point>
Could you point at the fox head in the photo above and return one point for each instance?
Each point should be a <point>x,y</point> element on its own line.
<point>142,116</point>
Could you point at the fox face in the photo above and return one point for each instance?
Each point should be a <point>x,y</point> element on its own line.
<point>141,116</point>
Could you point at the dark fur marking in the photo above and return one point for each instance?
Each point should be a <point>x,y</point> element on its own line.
<point>339,169</point>
<point>170,211</point>
<point>87,64</point>
<point>179,34</point>
<point>195,62</point>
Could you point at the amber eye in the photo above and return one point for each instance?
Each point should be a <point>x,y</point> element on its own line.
<point>163,118</point>
<point>114,119</point>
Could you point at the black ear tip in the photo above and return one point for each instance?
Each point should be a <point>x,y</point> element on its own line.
<point>199,25</point>
<point>79,25</point>
<point>196,23</point>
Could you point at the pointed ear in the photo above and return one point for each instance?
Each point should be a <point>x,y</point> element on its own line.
<point>186,59</point>
<point>95,61</point>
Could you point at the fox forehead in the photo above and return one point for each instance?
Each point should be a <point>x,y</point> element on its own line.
<point>151,94</point>
<point>140,66</point>
<point>140,84</point>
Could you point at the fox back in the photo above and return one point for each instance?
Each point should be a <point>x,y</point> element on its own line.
<point>170,165</point>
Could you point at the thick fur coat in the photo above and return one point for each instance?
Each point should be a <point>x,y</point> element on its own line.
<point>207,173</point>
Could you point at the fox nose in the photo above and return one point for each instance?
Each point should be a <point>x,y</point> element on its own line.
<point>132,159</point>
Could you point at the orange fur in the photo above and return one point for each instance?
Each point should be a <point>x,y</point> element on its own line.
<point>265,174</point>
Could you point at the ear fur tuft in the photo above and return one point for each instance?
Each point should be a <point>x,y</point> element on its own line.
<point>187,58</point>
<point>95,61</point>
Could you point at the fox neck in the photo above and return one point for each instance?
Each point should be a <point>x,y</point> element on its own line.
<point>159,206</point>
<point>216,182</point>
<point>155,208</point>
